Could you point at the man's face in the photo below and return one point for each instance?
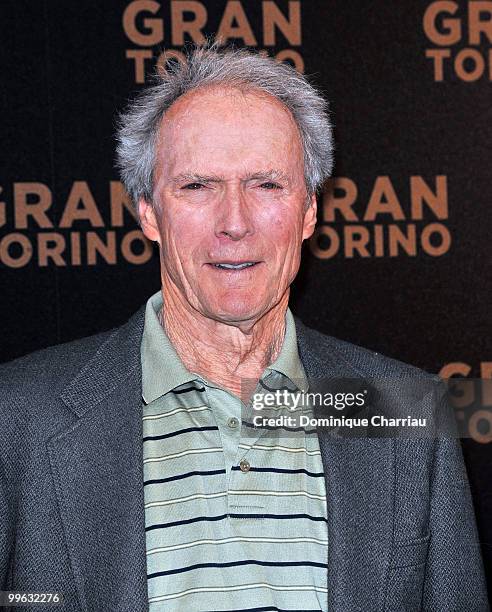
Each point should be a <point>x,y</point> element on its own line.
<point>230,208</point>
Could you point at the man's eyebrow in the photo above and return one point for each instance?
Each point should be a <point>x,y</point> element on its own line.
<point>197,178</point>
<point>271,175</point>
<point>267,175</point>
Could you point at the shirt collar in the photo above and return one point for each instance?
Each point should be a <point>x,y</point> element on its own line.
<point>163,370</point>
<point>288,361</point>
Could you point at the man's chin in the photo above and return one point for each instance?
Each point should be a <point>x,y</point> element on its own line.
<point>236,312</point>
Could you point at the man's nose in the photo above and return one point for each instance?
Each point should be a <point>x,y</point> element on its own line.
<point>234,216</point>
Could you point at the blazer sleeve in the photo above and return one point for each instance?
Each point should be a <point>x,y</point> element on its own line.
<point>454,579</point>
<point>6,530</point>
<point>10,469</point>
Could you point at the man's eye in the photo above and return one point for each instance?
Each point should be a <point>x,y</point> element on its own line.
<point>270,185</point>
<point>192,186</point>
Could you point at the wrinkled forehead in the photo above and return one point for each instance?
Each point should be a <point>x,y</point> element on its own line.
<point>235,94</point>
<point>212,117</point>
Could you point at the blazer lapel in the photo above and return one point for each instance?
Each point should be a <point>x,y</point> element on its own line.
<point>359,475</point>
<point>98,473</point>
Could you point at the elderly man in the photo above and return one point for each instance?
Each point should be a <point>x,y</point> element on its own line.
<point>132,477</point>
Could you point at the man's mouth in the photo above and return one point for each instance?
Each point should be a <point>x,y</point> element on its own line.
<point>234,266</point>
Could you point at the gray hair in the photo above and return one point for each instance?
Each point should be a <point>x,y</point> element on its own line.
<point>211,65</point>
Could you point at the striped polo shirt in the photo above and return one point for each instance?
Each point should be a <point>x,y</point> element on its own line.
<point>235,515</point>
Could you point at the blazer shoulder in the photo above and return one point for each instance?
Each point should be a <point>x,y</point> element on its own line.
<point>55,366</point>
<point>49,367</point>
<point>31,386</point>
<point>365,362</point>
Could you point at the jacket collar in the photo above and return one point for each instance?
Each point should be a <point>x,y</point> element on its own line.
<point>116,359</point>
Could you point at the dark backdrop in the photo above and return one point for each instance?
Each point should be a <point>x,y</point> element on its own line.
<point>401,260</point>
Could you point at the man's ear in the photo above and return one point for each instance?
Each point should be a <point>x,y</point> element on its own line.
<point>148,221</point>
<point>310,218</point>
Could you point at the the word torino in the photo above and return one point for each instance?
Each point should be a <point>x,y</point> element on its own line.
<point>383,224</point>
<point>78,230</point>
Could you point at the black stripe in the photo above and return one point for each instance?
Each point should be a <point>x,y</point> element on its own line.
<point>220,517</point>
<point>190,568</point>
<point>273,389</point>
<point>282,471</point>
<point>186,475</point>
<point>274,427</point>
<point>188,390</point>
<point>181,431</point>
<point>196,519</point>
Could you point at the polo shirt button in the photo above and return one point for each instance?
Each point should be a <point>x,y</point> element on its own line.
<point>244,465</point>
<point>233,422</point>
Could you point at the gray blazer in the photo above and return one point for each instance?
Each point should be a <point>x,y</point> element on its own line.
<point>401,528</point>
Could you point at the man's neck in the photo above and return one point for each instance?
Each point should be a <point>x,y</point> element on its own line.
<point>231,356</point>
